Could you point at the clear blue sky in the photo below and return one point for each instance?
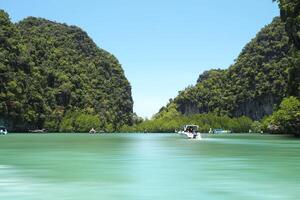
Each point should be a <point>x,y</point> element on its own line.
<point>163,45</point>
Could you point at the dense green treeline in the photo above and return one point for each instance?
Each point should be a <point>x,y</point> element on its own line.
<point>171,120</point>
<point>285,120</point>
<point>50,71</point>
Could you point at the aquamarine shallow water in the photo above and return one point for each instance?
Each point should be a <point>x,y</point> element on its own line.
<point>148,166</point>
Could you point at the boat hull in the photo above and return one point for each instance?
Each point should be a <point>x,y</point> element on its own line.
<point>3,132</point>
<point>190,135</point>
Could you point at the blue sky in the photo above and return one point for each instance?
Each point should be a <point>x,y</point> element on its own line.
<point>163,45</point>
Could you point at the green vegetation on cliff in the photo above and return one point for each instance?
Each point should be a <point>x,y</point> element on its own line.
<point>50,71</point>
<point>290,14</point>
<point>287,118</point>
<point>251,87</point>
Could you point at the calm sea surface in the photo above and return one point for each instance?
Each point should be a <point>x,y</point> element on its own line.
<point>148,166</point>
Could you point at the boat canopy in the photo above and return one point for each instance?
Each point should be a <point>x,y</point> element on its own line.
<point>191,127</point>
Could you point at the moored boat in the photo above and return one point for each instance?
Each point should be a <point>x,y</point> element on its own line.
<point>37,130</point>
<point>219,131</point>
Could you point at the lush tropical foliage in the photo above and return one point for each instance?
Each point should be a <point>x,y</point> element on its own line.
<point>252,86</point>
<point>290,14</point>
<point>286,119</point>
<point>53,76</point>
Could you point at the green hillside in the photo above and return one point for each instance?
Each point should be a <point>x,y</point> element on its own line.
<point>54,76</point>
<point>253,86</point>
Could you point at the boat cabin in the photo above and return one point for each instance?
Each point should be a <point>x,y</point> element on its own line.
<point>190,128</point>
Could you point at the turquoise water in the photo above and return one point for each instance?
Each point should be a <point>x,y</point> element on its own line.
<point>148,166</point>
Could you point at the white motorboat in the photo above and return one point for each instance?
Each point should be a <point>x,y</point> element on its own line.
<point>3,130</point>
<point>190,131</point>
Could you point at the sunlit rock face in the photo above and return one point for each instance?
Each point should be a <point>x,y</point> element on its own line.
<point>257,108</point>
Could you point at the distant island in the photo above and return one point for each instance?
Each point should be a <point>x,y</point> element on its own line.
<point>54,77</point>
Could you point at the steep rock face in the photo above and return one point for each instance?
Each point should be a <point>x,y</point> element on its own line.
<point>189,109</point>
<point>252,86</point>
<point>258,107</point>
<point>54,69</point>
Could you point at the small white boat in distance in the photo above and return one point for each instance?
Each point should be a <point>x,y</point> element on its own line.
<point>3,130</point>
<point>191,132</point>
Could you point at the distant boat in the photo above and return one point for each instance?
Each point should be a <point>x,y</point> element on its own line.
<point>37,130</point>
<point>219,131</point>
<point>190,131</point>
<point>3,130</point>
